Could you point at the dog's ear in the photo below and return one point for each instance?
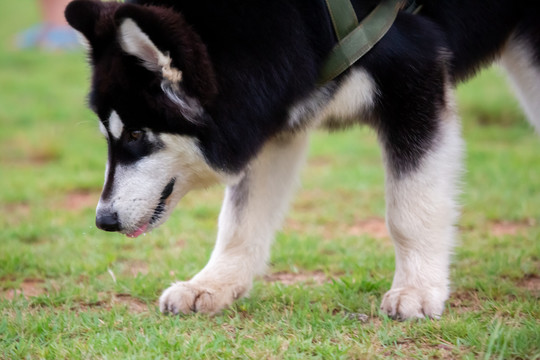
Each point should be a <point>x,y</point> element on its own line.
<point>167,45</point>
<point>135,42</point>
<point>82,15</point>
<point>94,20</point>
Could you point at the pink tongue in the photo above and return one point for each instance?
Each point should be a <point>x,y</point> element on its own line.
<point>139,231</point>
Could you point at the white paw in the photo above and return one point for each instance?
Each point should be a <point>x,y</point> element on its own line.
<point>414,303</point>
<point>190,297</point>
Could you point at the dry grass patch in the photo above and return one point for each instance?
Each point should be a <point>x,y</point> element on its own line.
<point>24,152</point>
<point>464,301</point>
<point>504,227</point>
<point>108,301</point>
<point>287,278</point>
<point>134,305</point>
<point>81,199</point>
<point>374,227</point>
<point>531,282</point>
<point>135,267</point>
<point>15,213</point>
<point>28,288</point>
<point>410,349</point>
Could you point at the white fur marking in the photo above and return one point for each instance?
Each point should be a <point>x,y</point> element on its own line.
<point>135,42</point>
<point>190,108</point>
<point>308,111</point>
<point>103,130</point>
<point>354,98</point>
<point>116,126</point>
<point>524,76</point>
<point>245,232</point>
<point>83,41</point>
<point>421,213</point>
<point>137,188</point>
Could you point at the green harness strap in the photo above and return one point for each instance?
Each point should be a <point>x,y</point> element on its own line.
<point>355,40</point>
<point>343,17</point>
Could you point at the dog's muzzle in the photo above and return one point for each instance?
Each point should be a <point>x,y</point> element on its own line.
<point>108,220</point>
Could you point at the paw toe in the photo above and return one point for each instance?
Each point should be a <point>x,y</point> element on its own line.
<point>187,297</point>
<point>413,303</point>
<point>205,303</point>
<point>177,299</point>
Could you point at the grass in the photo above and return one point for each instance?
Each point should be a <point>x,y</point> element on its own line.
<point>68,290</point>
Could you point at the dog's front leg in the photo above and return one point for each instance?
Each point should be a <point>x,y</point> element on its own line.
<point>252,211</point>
<point>421,213</point>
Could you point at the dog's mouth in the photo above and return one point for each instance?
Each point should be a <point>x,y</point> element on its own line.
<point>158,211</point>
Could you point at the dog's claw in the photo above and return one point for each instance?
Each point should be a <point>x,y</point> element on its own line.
<point>414,303</point>
<point>188,297</point>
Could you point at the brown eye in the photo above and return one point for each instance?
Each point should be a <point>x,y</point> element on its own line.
<point>135,135</point>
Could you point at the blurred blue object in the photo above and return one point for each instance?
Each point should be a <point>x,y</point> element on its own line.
<point>48,37</point>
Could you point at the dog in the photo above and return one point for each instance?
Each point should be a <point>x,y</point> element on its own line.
<point>194,93</point>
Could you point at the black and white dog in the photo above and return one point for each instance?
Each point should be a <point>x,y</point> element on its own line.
<point>195,92</point>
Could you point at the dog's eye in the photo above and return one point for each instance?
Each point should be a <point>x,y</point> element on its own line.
<point>135,135</point>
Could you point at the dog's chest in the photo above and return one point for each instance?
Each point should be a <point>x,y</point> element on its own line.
<point>336,105</point>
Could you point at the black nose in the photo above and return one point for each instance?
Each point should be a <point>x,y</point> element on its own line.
<point>108,222</point>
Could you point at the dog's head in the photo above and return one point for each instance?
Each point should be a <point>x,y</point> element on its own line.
<point>151,81</point>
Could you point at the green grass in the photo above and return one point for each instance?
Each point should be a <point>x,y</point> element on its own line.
<point>89,294</point>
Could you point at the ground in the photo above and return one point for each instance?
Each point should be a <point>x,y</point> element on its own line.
<point>68,290</point>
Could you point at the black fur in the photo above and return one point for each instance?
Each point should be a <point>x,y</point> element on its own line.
<point>529,29</point>
<point>160,208</point>
<point>250,61</point>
